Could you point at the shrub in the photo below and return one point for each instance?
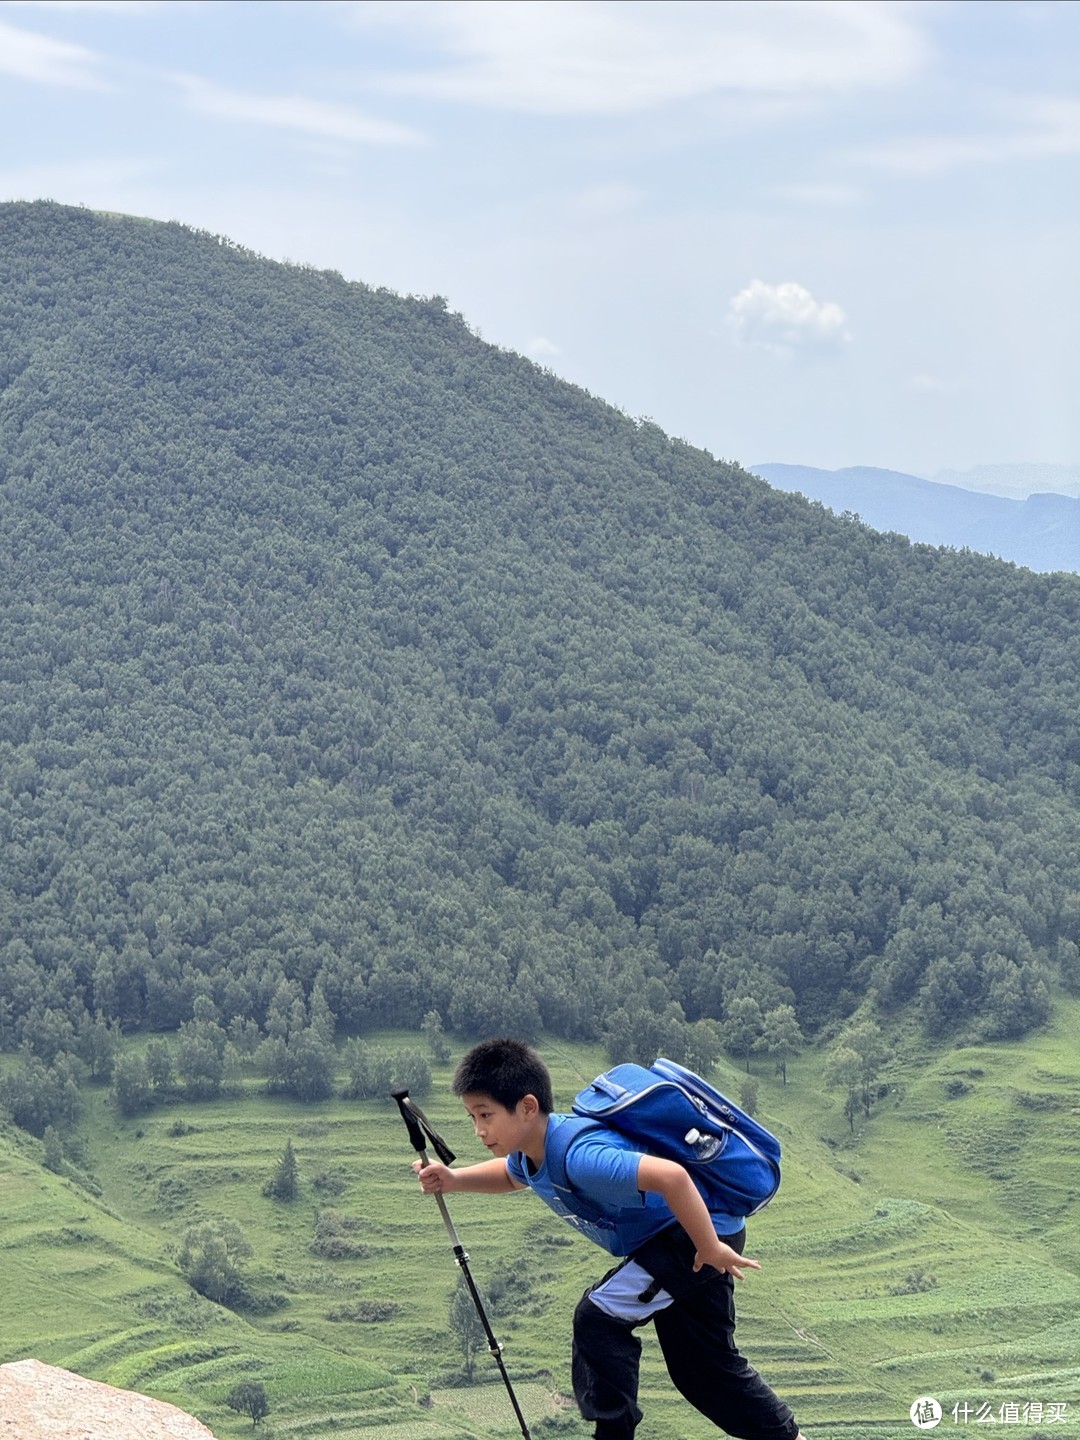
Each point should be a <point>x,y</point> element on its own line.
<point>333,1237</point>
<point>915,1282</point>
<point>328,1183</point>
<point>210,1257</point>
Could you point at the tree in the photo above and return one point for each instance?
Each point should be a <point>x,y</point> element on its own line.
<point>272,1058</point>
<point>854,1063</point>
<point>1017,998</point>
<point>286,1009</point>
<point>96,1044</point>
<point>201,1056</point>
<point>742,1027</point>
<point>369,1071</point>
<point>47,1033</point>
<point>1068,954</point>
<point>131,1086</point>
<point>303,1065</point>
<point>409,1068</point>
<point>781,1036</point>
<point>311,1063</point>
<point>374,1072</point>
<point>321,1016</point>
<point>842,1068</point>
<point>37,1095</point>
<point>649,1024</point>
<point>159,1067</point>
<point>54,1150</point>
<point>467,1326</point>
<point>284,1184</point>
<point>244,1036</point>
<point>704,1045</point>
<point>7,1028</point>
<point>432,1028</point>
<point>869,1045</point>
<point>209,1258</point>
<point>249,1398</point>
<point>951,988</point>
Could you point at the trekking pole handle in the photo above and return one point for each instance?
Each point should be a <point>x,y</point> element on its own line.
<point>412,1125</point>
<point>419,1144</point>
<point>419,1126</point>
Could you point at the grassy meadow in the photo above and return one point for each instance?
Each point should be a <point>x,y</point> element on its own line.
<point>934,1252</point>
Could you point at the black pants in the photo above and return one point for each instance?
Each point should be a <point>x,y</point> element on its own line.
<point>694,1318</point>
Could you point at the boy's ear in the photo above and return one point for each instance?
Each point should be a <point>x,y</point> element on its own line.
<point>528,1106</point>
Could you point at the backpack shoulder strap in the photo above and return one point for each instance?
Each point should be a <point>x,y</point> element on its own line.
<point>559,1140</point>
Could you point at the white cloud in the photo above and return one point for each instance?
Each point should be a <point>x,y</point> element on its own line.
<point>325,118</point>
<point>46,61</point>
<point>610,57</point>
<point>542,347</point>
<point>1034,127</point>
<point>786,319</point>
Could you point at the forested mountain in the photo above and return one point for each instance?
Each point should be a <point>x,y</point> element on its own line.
<point>1041,530</point>
<point>346,658</point>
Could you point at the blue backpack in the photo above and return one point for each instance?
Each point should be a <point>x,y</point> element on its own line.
<point>670,1112</point>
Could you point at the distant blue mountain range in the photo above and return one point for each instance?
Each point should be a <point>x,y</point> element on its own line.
<point>1041,531</point>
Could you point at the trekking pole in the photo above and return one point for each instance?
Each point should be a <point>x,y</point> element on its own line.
<point>418,1126</point>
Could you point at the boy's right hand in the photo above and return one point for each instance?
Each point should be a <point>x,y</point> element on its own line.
<point>722,1257</point>
<point>435,1178</point>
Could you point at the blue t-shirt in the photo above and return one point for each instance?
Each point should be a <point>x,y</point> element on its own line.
<point>604,1201</point>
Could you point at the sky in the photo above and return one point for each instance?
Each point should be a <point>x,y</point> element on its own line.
<point>820,232</point>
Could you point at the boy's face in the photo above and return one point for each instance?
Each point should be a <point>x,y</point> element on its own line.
<point>501,1130</point>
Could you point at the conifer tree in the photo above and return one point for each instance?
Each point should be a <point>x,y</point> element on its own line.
<point>284,1184</point>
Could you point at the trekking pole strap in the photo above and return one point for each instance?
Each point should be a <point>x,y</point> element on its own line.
<point>418,1125</point>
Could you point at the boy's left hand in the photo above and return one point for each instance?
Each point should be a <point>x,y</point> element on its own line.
<point>723,1258</point>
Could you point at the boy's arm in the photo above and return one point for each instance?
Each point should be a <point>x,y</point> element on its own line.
<point>685,1203</point>
<point>490,1177</point>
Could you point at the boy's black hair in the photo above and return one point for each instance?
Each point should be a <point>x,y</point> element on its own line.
<point>507,1070</point>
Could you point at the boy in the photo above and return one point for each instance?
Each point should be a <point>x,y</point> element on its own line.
<point>680,1266</point>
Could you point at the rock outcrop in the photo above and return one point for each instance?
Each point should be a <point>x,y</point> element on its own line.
<point>41,1402</point>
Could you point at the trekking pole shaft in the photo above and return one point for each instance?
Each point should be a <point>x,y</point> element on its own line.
<point>445,1213</point>
<point>416,1137</point>
<point>494,1348</point>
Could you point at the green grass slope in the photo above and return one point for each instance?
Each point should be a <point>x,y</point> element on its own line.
<point>933,1252</point>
